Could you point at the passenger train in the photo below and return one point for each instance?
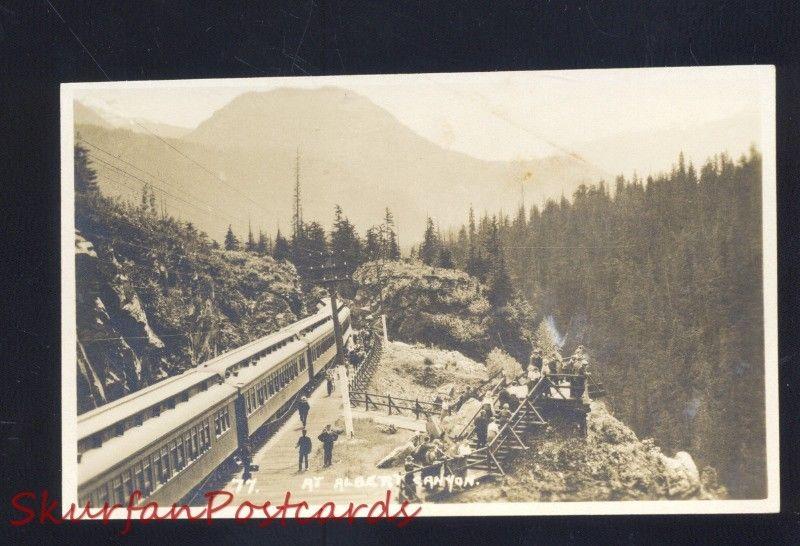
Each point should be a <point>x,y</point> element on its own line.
<point>167,438</point>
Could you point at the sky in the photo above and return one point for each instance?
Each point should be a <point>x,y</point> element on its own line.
<point>492,116</point>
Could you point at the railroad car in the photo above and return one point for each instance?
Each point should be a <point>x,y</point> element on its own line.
<point>167,438</point>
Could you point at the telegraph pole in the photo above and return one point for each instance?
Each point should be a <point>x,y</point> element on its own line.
<point>329,275</point>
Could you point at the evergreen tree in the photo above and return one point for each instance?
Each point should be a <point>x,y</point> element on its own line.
<point>373,246</point>
<point>262,246</point>
<point>429,249</point>
<point>392,251</point>
<point>250,245</point>
<point>500,288</point>
<point>85,175</point>
<point>345,244</point>
<point>231,241</point>
<point>281,250</point>
<point>446,259</point>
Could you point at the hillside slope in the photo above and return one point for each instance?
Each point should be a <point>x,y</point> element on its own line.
<point>610,463</point>
<point>154,298</point>
<point>348,147</point>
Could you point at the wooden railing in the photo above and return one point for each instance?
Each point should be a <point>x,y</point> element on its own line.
<point>363,372</point>
<point>493,394</point>
<point>459,463</point>
<point>394,405</point>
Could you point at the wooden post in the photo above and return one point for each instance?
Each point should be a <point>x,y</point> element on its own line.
<point>337,328</point>
<point>345,390</point>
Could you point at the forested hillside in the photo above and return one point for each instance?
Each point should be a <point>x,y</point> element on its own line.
<point>661,279</point>
<point>156,296</point>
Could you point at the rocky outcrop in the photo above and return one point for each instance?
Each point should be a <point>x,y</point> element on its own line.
<point>437,306</point>
<point>610,463</point>
<point>153,307</point>
<point>419,372</point>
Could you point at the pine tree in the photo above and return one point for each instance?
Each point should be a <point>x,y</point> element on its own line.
<point>392,251</point>
<point>500,288</point>
<point>250,245</point>
<point>153,211</point>
<point>373,246</point>
<point>85,175</point>
<point>231,241</point>
<point>429,249</point>
<point>345,244</point>
<point>262,246</point>
<point>145,197</point>
<point>281,250</point>
<point>446,259</point>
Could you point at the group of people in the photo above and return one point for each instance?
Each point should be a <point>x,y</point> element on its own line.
<point>542,365</point>
<point>328,437</point>
<point>428,448</point>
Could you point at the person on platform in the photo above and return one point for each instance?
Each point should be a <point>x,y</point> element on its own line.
<point>534,374</point>
<point>302,409</point>
<point>580,362</point>
<point>481,427</point>
<point>408,488</point>
<point>536,359</point>
<point>328,437</point>
<point>304,447</point>
<point>487,405</point>
<point>330,381</point>
<point>504,417</point>
<point>492,430</point>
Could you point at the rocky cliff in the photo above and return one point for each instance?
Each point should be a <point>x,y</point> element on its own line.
<point>153,298</point>
<point>610,463</point>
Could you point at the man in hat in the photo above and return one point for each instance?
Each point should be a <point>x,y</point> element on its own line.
<point>329,380</point>
<point>304,445</point>
<point>536,359</point>
<point>302,409</point>
<point>408,487</point>
<point>327,438</point>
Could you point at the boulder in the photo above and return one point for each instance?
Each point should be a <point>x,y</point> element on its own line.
<point>453,424</point>
<point>688,464</point>
<point>397,456</point>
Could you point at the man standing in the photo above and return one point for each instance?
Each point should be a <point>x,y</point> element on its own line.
<point>329,380</point>
<point>304,445</point>
<point>302,409</point>
<point>481,426</point>
<point>327,438</point>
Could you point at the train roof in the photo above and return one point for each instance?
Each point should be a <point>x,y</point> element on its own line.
<point>96,462</point>
<point>111,413</point>
<point>250,373</point>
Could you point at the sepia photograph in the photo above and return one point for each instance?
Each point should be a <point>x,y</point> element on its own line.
<point>498,293</point>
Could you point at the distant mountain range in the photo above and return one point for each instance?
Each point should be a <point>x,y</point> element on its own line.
<point>238,166</point>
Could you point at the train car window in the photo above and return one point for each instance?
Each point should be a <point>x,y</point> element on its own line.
<point>173,451</point>
<point>193,443</point>
<point>119,493</point>
<point>137,477</point>
<point>260,394</point>
<point>187,445</point>
<point>102,493</point>
<point>147,477</point>
<point>181,456</point>
<point>127,483</point>
<point>166,471</point>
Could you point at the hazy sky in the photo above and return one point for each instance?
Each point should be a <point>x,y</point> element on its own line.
<point>495,116</point>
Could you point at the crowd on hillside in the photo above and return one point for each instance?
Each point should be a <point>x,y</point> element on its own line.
<point>433,446</point>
